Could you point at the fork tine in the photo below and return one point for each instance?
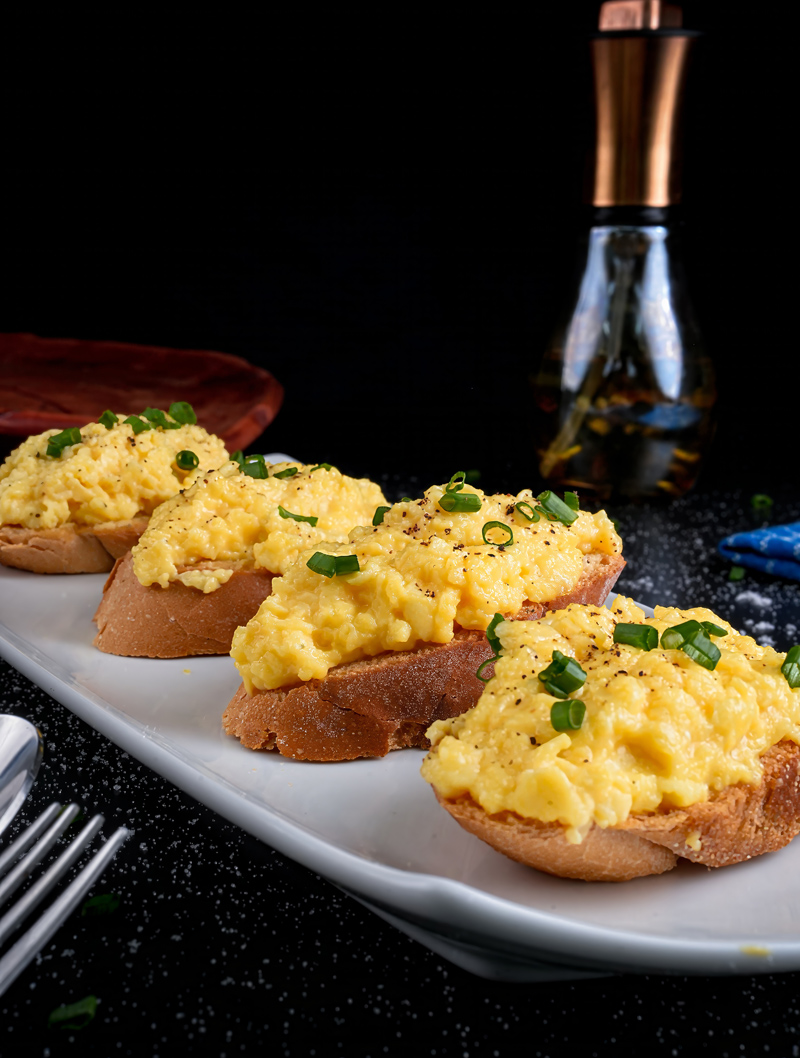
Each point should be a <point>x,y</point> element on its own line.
<point>28,901</point>
<point>33,940</point>
<point>28,836</point>
<point>24,868</point>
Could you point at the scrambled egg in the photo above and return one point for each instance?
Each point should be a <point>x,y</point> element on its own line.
<point>229,517</point>
<point>112,475</point>
<point>659,729</point>
<point>422,571</point>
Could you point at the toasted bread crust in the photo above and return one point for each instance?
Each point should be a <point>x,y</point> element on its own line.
<point>367,708</point>
<point>736,824</point>
<point>137,621</point>
<point>69,548</point>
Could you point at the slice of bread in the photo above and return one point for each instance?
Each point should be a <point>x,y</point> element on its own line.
<point>178,621</point>
<point>69,548</point>
<point>735,824</point>
<point>368,707</point>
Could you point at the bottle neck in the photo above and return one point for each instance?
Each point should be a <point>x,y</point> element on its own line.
<point>639,80</point>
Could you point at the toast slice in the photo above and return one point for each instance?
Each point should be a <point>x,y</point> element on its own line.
<point>735,824</point>
<point>69,548</point>
<point>369,707</point>
<point>178,621</point>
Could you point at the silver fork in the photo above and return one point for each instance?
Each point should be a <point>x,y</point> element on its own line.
<point>39,838</point>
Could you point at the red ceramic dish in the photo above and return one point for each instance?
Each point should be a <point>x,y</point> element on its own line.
<point>52,383</point>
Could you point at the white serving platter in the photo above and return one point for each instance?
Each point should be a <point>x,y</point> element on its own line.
<point>373,827</point>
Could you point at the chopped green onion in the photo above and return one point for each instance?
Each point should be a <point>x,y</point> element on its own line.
<point>288,473</point>
<point>320,466</point>
<point>73,1015</point>
<point>736,573</point>
<point>791,667</point>
<point>108,419</point>
<point>491,635</point>
<point>674,638</point>
<point>498,525</point>
<point>378,516</point>
<point>481,667</point>
<point>571,500</point>
<point>238,457</point>
<point>406,499</point>
<point>700,649</point>
<point>643,636</point>
<point>460,501</point>
<point>333,565</point>
<point>186,459</point>
<point>556,508</point>
<point>297,517</point>
<point>138,425</point>
<point>456,482</point>
<point>568,715</point>
<point>154,415</point>
<point>691,638</point>
<point>562,676</point>
<point>59,441</point>
<point>761,503</point>
<point>532,517</point>
<point>104,904</point>
<point>714,630</point>
<point>183,413</point>
<point>254,466</point>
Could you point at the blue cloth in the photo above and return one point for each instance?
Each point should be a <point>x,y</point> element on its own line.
<point>774,549</point>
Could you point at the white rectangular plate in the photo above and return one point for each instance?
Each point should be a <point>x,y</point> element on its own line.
<point>374,828</point>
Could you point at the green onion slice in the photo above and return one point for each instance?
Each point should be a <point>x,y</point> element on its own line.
<point>714,630</point>
<point>562,676</point>
<point>104,904</point>
<point>254,466</point>
<point>761,503</point>
<point>186,459</point>
<point>321,466</point>
<point>481,667</point>
<point>691,638</point>
<point>378,516</point>
<point>460,501</point>
<point>491,635</point>
<point>674,638</point>
<point>238,457</point>
<point>736,573</point>
<point>556,508</point>
<point>288,473</point>
<point>333,565</point>
<point>406,499</point>
<point>791,667</point>
<point>498,525</point>
<point>183,413</point>
<point>311,518</point>
<point>108,419</point>
<point>571,500</point>
<point>59,441</point>
<point>567,716</point>
<point>645,637</point>
<point>700,649</point>
<point>532,517</point>
<point>73,1015</point>
<point>456,483</point>
<point>138,425</point>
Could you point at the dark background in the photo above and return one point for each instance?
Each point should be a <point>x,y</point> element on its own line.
<point>383,211</point>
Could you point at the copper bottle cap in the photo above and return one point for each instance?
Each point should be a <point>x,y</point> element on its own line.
<point>640,57</point>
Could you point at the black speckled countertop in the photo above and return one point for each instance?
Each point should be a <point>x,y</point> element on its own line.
<point>222,946</point>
